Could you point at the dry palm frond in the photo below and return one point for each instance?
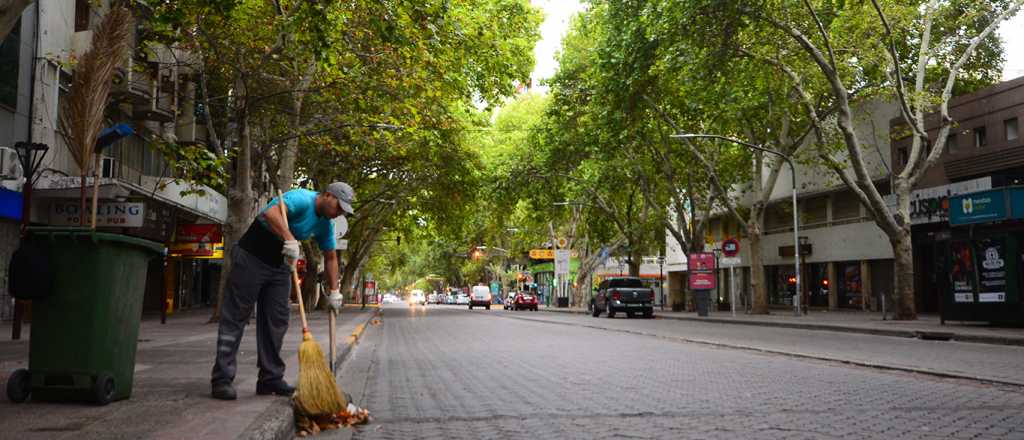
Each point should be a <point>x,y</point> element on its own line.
<point>81,115</point>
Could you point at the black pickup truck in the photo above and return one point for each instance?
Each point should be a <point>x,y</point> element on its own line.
<point>623,294</point>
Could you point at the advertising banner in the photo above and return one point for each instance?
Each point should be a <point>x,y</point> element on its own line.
<point>962,274</point>
<point>992,270</point>
<point>701,267</point>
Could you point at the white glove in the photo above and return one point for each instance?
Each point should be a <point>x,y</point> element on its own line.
<point>335,300</point>
<point>290,251</point>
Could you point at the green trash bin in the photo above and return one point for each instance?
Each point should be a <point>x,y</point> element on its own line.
<point>85,330</point>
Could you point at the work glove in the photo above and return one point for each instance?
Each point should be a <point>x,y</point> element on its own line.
<point>290,252</point>
<point>335,300</point>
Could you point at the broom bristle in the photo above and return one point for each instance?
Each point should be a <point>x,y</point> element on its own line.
<point>318,393</point>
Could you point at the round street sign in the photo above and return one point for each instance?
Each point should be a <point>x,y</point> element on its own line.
<point>562,243</point>
<point>730,247</point>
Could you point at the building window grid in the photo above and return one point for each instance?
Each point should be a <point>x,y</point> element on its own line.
<point>1010,127</point>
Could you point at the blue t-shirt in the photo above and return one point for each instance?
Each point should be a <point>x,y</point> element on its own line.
<point>302,218</point>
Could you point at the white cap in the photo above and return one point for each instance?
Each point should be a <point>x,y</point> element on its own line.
<point>344,194</point>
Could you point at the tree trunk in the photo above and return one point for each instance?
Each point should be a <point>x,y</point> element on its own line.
<point>903,254</point>
<point>241,199</point>
<point>758,293</point>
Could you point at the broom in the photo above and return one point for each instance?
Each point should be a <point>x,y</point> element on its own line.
<point>317,392</point>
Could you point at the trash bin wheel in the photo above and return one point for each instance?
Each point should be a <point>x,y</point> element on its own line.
<point>19,385</point>
<point>103,389</point>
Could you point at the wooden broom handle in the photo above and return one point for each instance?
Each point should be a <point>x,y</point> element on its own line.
<point>295,272</point>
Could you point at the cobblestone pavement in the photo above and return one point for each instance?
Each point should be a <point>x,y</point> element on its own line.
<point>999,363</point>
<point>450,373</point>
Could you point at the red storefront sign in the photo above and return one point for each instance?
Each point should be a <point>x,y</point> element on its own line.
<point>189,233</point>
<point>701,267</point>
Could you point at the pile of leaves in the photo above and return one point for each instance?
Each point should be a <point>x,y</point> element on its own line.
<point>306,425</point>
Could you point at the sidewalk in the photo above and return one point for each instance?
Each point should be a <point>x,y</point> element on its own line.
<point>171,394</point>
<point>926,326</point>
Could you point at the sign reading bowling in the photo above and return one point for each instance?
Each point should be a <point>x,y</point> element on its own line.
<point>108,215</point>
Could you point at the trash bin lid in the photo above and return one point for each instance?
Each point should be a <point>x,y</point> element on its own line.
<point>90,234</point>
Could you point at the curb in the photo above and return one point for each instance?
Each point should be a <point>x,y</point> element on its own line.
<point>879,366</point>
<point>914,334</point>
<point>277,422</point>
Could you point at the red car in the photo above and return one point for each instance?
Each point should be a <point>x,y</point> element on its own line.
<point>525,301</point>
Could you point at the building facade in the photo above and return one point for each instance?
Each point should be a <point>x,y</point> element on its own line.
<point>846,258</point>
<point>983,151</point>
<point>154,93</point>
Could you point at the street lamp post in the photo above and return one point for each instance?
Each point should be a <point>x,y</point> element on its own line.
<point>792,173</point>
<point>661,280</point>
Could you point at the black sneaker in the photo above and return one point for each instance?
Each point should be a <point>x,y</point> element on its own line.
<point>277,388</point>
<point>224,391</point>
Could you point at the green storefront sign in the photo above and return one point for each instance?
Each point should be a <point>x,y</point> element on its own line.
<point>980,207</point>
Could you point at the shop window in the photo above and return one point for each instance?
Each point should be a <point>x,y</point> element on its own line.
<point>845,206</point>
<point>1011,129</point>
<point>980,137</point>
<point>9,49</point>
<point>951,144</point>
<point>849,288</point>
<point>814,211</point>
<point>712,232</point>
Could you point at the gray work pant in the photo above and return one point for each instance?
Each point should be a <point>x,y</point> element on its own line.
<point>253,282</point>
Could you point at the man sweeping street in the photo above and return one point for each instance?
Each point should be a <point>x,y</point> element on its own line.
<point>261,267</point>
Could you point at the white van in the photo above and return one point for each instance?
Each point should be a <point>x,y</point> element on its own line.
<point>480,296</point>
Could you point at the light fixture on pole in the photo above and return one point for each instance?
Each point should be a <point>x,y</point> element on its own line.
<point>792,173</point>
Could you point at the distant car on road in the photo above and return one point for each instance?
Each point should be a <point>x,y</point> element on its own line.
<point>525,301</point>
<point>623,294</point>
<point>480,296</point>
<point>432,298</point>
<point>417,297</point>
<point>462,299</point>
<point>509,300</point>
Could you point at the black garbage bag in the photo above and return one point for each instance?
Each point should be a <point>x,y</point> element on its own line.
<point>30,274</point>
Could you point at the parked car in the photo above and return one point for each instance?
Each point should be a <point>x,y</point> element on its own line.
<point>462,299</point>
<point>417,297</point>
<point>509,300</point>
<point>432,298</point>
<point>480,296</point>
<point>623,294</point>
<point>525,301</point>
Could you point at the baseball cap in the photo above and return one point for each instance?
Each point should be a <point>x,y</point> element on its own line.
<point>344,194</point>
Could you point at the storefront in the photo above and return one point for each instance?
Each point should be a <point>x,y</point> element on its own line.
<point>929,213</point>
<point>986,251</point>
<point>194,266</point>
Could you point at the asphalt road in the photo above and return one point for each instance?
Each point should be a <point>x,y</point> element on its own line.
<point>447,372</point>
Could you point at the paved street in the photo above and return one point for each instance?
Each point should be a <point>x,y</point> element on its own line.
<point>171,395</point>
<point>447,372</point>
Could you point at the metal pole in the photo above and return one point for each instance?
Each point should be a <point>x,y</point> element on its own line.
<point>796,242</point>
<point>732,290</point>
<point>661,282</point>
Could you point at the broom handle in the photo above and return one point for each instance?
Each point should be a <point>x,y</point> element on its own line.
<point>295,272</point>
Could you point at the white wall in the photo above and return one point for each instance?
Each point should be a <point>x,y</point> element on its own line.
<point>871,123</point>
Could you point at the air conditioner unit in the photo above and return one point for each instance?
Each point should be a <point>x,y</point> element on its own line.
<point>10,165</point>
<point>108,167</point>
<point>11,173</point>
